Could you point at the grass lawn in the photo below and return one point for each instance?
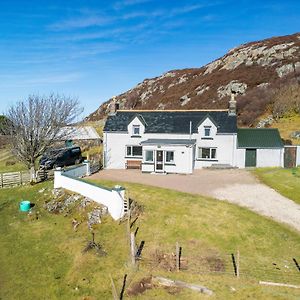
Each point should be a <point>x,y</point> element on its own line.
<point>43,259</point>
<point>287,125</point>
<point>284,181</point>
<point>8,163</point>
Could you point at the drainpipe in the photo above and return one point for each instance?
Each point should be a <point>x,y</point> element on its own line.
<point>104,155</point>
<point>190,130</point>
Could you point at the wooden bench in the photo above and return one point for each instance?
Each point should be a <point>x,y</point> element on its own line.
<point>133,164</point>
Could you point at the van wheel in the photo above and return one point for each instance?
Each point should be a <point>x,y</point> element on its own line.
<point>77,161</point>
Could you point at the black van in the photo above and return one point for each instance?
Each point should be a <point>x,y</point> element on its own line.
<point>61,157</point>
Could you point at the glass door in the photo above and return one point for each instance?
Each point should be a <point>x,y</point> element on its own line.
<point>159,165</point>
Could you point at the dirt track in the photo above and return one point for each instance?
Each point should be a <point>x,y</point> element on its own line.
<point>236,186</point>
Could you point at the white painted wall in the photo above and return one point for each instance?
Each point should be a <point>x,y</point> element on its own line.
<point>114,144</point>
<point>77,171</point>
<point>112,199</point>
<point>226,144</point>
<point>240,157</point>
<point>209,123</point>
<point>298,156</point>
<point>183,159</point>
<point>269,157</point>
<point>264,157</point>
<point>135,121</point>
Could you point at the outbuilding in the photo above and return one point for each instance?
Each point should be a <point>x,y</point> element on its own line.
<point>259,147</point>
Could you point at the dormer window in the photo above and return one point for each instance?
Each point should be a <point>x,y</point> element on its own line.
<point>207,130</point>
<point>136,129</point>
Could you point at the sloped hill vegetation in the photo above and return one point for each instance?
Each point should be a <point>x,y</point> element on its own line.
<point>256,71</point>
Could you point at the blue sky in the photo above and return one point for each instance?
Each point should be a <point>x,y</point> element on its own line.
<point>96,49</point>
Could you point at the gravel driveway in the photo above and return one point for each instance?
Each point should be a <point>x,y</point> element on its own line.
<point>236,186</point>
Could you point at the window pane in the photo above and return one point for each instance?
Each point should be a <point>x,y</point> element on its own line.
<point>213,153</point>
<point>207,131</point>
<point>205,153</point>
<point>128,151</point>
<point>137,151</point>
<point>169,156</point>
<point>136,129</point>
<point>149,155</point>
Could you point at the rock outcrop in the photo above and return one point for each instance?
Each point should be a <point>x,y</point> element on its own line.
<point>254,67</point>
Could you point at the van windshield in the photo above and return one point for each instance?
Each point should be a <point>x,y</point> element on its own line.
<point>53,153</point>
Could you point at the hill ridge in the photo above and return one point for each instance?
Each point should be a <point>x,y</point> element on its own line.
<point>253,70</point>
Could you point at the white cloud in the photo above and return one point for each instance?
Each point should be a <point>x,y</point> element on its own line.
<point>81,22</point>
<point>44,79</point>
<point>121,4</point>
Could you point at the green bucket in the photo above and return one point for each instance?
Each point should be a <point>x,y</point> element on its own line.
<point>25,205</point>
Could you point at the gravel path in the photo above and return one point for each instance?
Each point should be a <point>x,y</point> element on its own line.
<point>236,186</point>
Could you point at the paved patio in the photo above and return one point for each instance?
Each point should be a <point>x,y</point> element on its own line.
<point>236,186</point>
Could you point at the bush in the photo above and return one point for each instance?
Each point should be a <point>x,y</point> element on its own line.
<point>287,101</point>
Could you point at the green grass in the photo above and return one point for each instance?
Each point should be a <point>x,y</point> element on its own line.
<point>8,163</point>
<point>43,259</point>
<point>284,181</point>
<point>287,125</point>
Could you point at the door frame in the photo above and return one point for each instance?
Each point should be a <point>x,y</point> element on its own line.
<point>254,150</point>
<point>162,162</point>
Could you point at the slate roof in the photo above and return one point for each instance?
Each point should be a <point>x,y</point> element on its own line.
<point>79,133</point>
<point>259,138</point>
<point>168,142</point>
<point>171,121</point>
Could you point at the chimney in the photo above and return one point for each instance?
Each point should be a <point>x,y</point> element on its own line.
<point>232,105</point>
<point>113,106</point>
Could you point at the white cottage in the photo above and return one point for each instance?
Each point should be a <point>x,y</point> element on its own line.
<point>180,141</point>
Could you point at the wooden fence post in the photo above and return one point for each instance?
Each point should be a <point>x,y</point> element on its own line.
<point>133,248</point>
<point>114,290</point>
<point>238,264</point>
<point>296,263</point>
<point>177,257</point>
<point>234,264</point>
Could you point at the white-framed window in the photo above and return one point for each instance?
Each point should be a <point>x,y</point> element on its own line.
<point>207,153</point>
<point>134,151</point>
<point>136,129</point>
<point>169,156</point>
<point>149,155</point>
<point>207,131</point>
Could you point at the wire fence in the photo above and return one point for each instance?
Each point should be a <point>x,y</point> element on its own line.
<point>285,270</point>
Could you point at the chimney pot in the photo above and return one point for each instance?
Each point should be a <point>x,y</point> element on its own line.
<point>232,105</point>
<point>113,106</point>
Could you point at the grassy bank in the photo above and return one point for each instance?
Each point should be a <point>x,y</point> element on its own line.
<point>43,258</point>
<point>287,125</point>
<point>284,181</point>
<point>8,162</point>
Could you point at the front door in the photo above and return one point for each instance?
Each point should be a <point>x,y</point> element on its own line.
<point>250,158</point>
<point>159,165</point>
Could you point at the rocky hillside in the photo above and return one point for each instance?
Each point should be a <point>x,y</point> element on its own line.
<point>254,71</point>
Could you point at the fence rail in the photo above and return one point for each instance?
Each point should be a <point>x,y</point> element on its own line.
<point>12,179</point>
<point>23,177</point>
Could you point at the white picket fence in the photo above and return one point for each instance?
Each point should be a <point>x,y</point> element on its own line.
<point>70,179</point>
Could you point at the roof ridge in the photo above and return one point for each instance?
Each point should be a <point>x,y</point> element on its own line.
<point>244,128</point>
<point>169,110</point>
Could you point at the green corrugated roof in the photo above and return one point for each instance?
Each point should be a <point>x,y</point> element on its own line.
<point>259,138</point>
